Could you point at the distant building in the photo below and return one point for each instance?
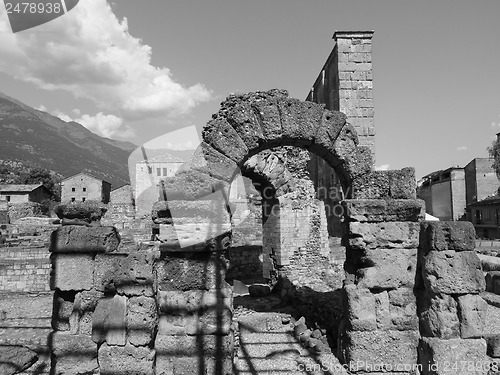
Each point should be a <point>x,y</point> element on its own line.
<point>481,180</point>
<point>149,173</point>
<point>444,193</point>
<point>24,193</point>
<point>485,215</point>
<point>83,186</point>
<point>449,193</point>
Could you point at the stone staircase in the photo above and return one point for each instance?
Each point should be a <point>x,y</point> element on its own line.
<point>267,344</point>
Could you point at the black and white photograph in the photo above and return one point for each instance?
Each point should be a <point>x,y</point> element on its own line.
<point>249,187</point>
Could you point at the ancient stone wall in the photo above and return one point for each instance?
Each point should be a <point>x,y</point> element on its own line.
<point>141,310</point>
<point>167,308</point>
<point>24,269</point>
<point>451,311</point>
<point>346,83</point>
<point>381,325</point>
<point>21,210</point>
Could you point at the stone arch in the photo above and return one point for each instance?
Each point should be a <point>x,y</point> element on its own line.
<point>247,124</point>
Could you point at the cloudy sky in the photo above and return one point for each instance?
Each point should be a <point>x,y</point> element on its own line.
<point>136,70</point>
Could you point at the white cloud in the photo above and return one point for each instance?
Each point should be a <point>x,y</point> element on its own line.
<point>109,126</point>
<point>106,125</point>
<point>383,167</point>
<point>461,148</point>
<point>90,53</point>
<point>63,116</point>
<point>42,108</point>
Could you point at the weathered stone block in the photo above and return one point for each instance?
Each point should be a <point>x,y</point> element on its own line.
<point>208,160</point>
<point>265,106</point>
<point>374,185</point>
<point>395,184</point>
<point>73,354</point>
<point>382,310</point>
<point>160,213</point>
<point>492,279</point>
<point>387,269</point>
<point>403,309</point>
<point>390,348</point>
<point>15,359</point>
<point>175,325</point>
<point>439,316</point>
<point>346,143</point>
<point>359,162</point>
<point>450,272</point>
<point>472,313</point>
<point>192,345</point>
<point>219,134</point>
<point>83,310</point>
<point>300,119</point>
<point>189,271</point>
<point>72,271</point>
<point>360,305</point>
<point>194,364</point>
<point>240,114</point>
<point>212,234</point>
<point>389,235</point>
<point>142,318</point>
<point>383,210</point>
<point>126,360</point>
<point>195,312</point>
<point>185,354</point>
<point>81,239</point>
<point>191,184</point>
<point>454,356</point>
<point>109,321</point>
<point>489,263</point>
<point>403,184</point>
<point>130,274</point>
<point>493,345</point>
<point>447,235</point>
<point>88,211</point>
<point>332,123</point>
<point>63,308</point>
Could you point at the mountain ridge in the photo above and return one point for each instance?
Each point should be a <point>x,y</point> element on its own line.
<point>37,138</point>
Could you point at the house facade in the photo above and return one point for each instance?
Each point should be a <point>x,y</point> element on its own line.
<point>24,193</point>
<point>485,215</point>
<point>149,173</point>
<point>83,186</point>
<point>444,193</point>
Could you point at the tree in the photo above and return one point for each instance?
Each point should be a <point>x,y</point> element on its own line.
<point>44,176</point>
<point>494,152</point>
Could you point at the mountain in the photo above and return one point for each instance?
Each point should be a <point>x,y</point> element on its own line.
<point>37,138</point>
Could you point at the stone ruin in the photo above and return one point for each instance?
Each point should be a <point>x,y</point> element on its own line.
<point>411,293</point>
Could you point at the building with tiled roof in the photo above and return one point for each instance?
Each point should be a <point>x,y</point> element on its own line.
<point>24,193</point>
